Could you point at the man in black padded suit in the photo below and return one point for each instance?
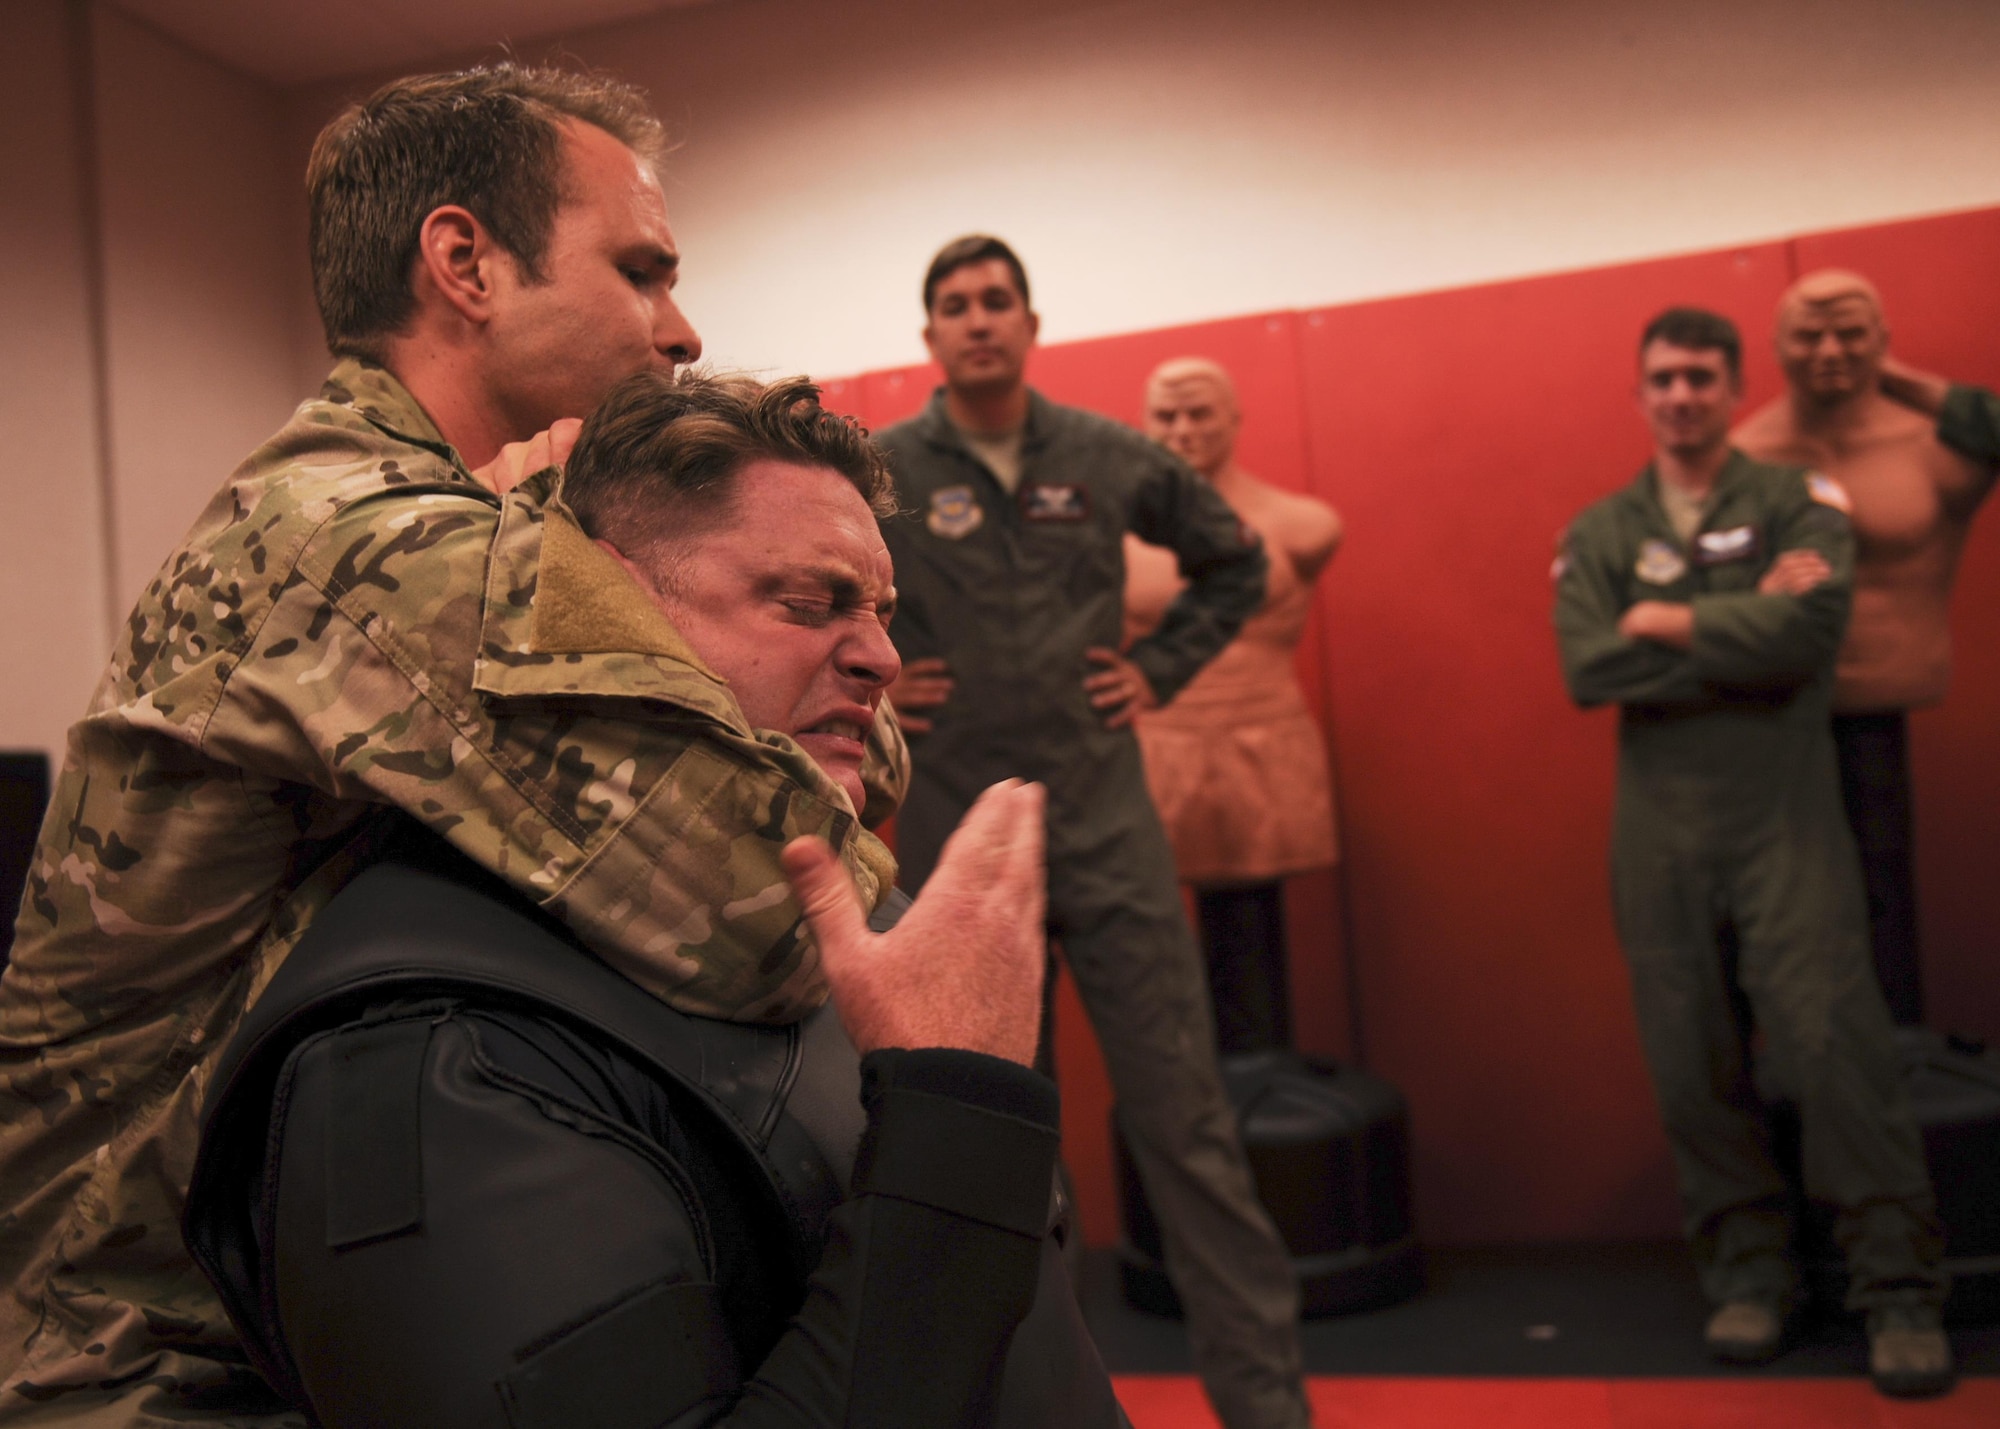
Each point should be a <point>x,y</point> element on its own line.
<point>454,1171</point>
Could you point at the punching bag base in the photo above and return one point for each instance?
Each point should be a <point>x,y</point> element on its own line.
<point>1953,1086</point>
<point>1363,1278</point>
<point>1329,1148</point>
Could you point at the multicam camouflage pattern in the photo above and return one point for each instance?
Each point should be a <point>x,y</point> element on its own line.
<point>354,626</point>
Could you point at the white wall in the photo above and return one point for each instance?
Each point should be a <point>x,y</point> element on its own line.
<point>1186,159</point>
<point>1156,163</point>
<point>52,559</point>
<point>203,236</point>
<point>135,371</point>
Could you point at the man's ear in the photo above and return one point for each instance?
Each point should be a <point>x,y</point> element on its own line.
<point>456,258</point>
<point>1034,325</point>
<point>930,340</point>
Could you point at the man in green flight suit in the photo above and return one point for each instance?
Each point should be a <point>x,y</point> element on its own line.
<point>1010,567</point>
<point>1707,599</point>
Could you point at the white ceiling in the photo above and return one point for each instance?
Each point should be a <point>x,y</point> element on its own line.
<point>292,42</point>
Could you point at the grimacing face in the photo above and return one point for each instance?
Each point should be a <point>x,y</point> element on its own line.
<point>1195,419</point>
<point>788,597</point>
<point>1687,396</point>
<point>980,327</point>
<point>606,310</point>
<point>1831,349</point>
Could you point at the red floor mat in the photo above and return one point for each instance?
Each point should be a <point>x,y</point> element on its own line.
<point>1175,1402</point>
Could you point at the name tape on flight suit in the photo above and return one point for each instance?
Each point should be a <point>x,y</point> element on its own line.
<point>1050,501</point>
<point>1716,548</point>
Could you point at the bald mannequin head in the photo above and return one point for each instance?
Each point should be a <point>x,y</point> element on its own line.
<point>1191,410</point>
<point>1831,337</point>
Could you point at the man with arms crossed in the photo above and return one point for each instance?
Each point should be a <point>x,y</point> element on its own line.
<point>1707,600</point>
<point>1917,456</point>
<point>1010,569</point>
<point>491,254</point>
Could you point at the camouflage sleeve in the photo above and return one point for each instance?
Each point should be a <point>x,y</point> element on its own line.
<point>409,664</point>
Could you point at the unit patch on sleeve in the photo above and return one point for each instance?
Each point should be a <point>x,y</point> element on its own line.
<point>955,512</point>
<point>1659,563</point>
<point>1829,492</point>
<point>1051,501</point>
<point>1717,548</point>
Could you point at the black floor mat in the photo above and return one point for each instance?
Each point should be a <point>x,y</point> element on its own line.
<point>1585,1311</point>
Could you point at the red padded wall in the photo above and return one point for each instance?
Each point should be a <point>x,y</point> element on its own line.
<point>1457,432</point>
<point>1940,282</point>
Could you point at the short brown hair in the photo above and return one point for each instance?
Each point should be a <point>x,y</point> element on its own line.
<point>963,253</point>
<point>488,139</point>
<point>1698,330</point>
<point>656,462</point>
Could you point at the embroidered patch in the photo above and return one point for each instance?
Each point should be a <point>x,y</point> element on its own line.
<point>1828,492</point>
<point>955,513</point>
<point>1051,502</point>
<point>1715,548</point>
<point>1659,564</point>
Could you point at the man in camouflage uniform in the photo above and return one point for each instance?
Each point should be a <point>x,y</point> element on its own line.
<point>361,623</point>
<point>1707,600</point>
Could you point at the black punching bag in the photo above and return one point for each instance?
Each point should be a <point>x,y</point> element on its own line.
<point>1329,1146</point>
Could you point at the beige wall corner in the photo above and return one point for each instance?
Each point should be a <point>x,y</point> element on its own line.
<point>52,548</point>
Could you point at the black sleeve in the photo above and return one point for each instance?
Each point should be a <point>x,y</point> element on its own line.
<point>932,1263</point>
<point>555,1251</point>
<point>1970,423</point>
<point>1224,563</point>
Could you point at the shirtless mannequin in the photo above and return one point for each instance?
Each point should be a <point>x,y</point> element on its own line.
<point>1236,764</point>
<point>1872,424</point>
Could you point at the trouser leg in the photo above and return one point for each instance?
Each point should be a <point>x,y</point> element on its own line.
<point>1243,943</point>
<point>1127,943</point>
<point>1874,759</point>
<point>1812,990</point>
<point>1732,1197</point>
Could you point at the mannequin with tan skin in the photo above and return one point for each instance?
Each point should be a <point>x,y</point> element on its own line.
<point>1236,764</point>
<point>1855,413</point>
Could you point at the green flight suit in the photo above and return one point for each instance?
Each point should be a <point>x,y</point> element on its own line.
<point>1011,589</point>
<point>1729,815</point>
<point>1970,423</point>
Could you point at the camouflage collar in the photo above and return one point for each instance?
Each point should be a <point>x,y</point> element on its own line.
<point>563,619</point>
<point>374,393</point>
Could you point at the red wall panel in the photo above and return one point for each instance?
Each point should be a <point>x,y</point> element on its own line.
<point>1940,283</point>
<point>1457,433</point>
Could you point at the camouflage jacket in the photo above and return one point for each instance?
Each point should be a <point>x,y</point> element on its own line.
<point>354,626</point>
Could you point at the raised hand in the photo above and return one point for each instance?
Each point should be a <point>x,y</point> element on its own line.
<point>964,967</point>
<point>1120,690</point>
